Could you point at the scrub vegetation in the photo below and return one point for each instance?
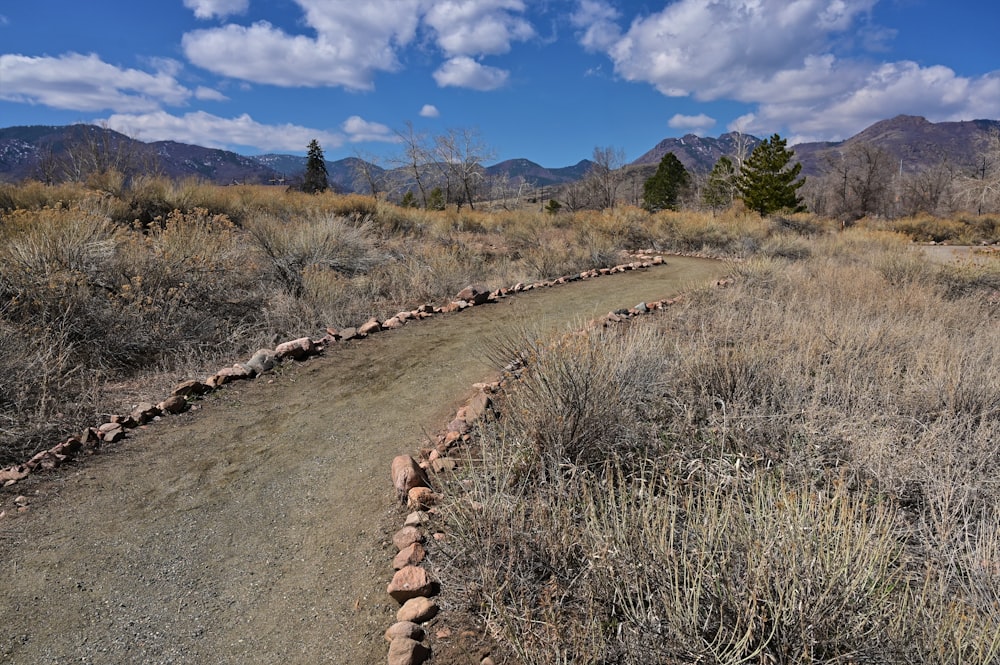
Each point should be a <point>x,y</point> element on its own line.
<point>800,468</point>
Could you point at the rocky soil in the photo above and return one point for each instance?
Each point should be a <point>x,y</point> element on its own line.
<point>257,528</point>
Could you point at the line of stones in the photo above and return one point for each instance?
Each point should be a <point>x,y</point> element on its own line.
<point>262,362</point>
<point>412,585</point>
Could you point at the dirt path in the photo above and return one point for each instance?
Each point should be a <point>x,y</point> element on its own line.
<point>253,530</point>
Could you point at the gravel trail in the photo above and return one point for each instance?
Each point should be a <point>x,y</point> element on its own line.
<point>254,529</point>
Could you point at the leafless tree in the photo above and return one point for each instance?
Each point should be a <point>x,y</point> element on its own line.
<point>859,179</point>
<point>369,173</point>
<point>980,190</point>
<point>931,190</point>
<point>460,154</point>
<point>606,175</point>
<point>414,159</point>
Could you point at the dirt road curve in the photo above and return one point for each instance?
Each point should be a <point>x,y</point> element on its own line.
<point>253,530</point>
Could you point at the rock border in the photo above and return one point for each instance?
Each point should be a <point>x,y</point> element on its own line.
<point>412,483</point>
<point>411,585</point>
<point>181,398</point>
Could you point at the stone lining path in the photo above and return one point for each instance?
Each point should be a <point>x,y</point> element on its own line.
<point>257,528</point>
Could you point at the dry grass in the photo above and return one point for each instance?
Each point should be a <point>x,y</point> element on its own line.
<point>105,283</point>
<point>797,469</point>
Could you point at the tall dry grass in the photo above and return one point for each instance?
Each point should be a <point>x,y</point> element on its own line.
<point>798,469</point>
<point>107,285</point>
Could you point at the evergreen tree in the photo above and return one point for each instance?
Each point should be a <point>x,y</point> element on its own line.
<point>663,189</point>
<point>316,178</point>
<point>767,183</point>
<point>718,192</point>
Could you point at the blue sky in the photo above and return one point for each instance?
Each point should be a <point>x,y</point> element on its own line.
<point>548,80</point>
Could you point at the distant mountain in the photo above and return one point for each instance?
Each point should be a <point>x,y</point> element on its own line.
<point>912,140</point>
<point>699,153</point>
<point>44,152</point>
<point>527,171</point>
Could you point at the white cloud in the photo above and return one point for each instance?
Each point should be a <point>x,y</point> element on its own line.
<point>888,90</point>
<point>598,21</point>
<point>358,130</point>
<point>208,8</point>
<point>209,94</point>
<point>429,111</point>
<point>349,43</point>
<point>692,122</point>
<point>477,27</point>
<point>86,83</point>
<point>779,56</point>
<point>352,43</point>
<point>212,131</point>
<point>464,72</point>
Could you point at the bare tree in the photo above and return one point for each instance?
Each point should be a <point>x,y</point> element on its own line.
<point>980,191</point>
<point>606,175</point>
<point>368,173</point>
<point>414,160</point>
<point>930,190</point>
<point>461,153</point>
<point>859,179</point>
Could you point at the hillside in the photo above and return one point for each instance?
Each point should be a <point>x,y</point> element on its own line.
<point>912,140</point>
<point>50,153</point>
<point>699,153</point>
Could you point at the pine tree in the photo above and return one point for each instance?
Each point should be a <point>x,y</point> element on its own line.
<point>718,192</point>
<point>663,189</point>
<point>316,178</point>
<point>767,183</point>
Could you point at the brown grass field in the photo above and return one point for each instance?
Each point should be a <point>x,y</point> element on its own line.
<point>800,468</point>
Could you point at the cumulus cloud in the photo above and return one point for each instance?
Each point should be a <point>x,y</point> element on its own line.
<point>212,131</point>
<point>221,8</point>
<point>464,72</point>
<point>349,43</point>
<point>86,83</point>
<point>691,122</point>
<point>478,27</point>
<point>429,111</point>
<point>209,94</point>
<point>779,55</point>
<point>262,53</point>
<point>598,21</point>
<point>359,130</point>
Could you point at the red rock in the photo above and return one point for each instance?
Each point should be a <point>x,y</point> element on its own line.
<point>417,610</point>
<point>406,537</point>
<point>458,425</point>
<point>43,460</point>
<point>476,408</point>
<point>392,324</point>
<point>144,412</point>
<point>411,555</point>
<point>173,405</point>
<point>370,327</point>
<point>404,629</point>
<point>410,582</point>
<point>406,474</point>
<point>113,435</point>
<point>190,388</point>
<point>296,349</point>
<point>404,651</point>
<point>13,474</point>
<point>474,295</point>
<point>421,498</point>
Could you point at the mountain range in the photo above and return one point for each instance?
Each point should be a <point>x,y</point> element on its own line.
<point>46,152</point>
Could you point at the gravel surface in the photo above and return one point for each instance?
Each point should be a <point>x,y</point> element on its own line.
<point>256,528</point>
